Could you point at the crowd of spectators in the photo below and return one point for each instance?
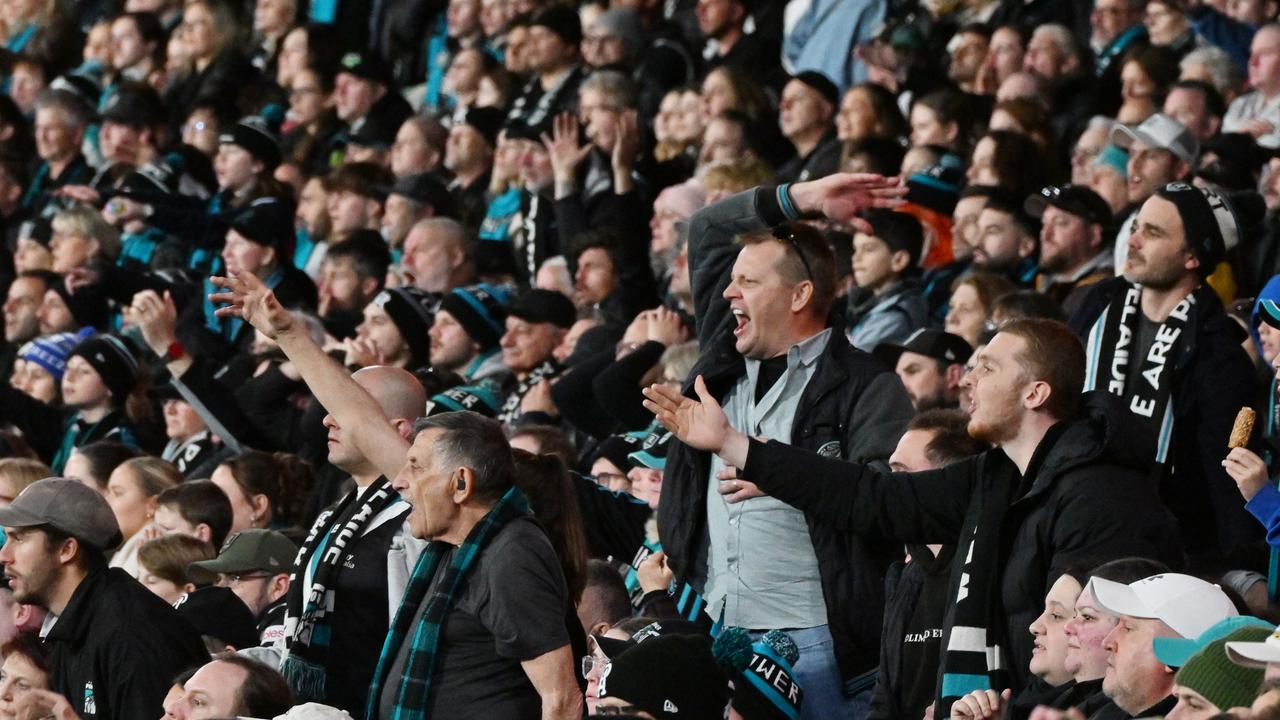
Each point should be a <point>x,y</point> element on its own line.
<point>538,359</point>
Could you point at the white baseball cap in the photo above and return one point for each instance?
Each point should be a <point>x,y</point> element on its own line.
<point>1160,131</point>
<point>1256,654</point>
<point>1187,604</point>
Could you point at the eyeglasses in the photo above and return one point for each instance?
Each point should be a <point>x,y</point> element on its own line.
<point>239,578</point>
<point>591,663</point>
<point>787,234</point>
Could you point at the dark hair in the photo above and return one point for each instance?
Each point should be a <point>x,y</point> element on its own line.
<point>104,457</point>
<point>551,441</point>
<point>282,478</point>
<point>951,439</point>
<point>1128,570</point>
<point>1021,304</point>
<point>362,178</point>
<point>603,239</point>
<point>89,556</point>
<point>200,502</point>
<point>367,252</point>
<point>1159,63</point>
<point>950,106</point>
<point>807,257</point>
<point>751,98</point>
<point>1055,356</point>
<point>30,646</point>
<point>264,692</point>
<point>476,442</point>
<point>550,489</point>
<point>150,30</point>
<point>883,155</point>
<point>884,105</point>
<point>611,590</point>
<point>1213,102</point>
<point>1018,162</point>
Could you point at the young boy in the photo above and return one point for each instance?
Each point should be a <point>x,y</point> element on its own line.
<point>887,304</point>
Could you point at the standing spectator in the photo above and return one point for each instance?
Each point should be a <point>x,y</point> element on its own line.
<point>257,566</point>
<point>1160,339</point>
<point>825,36</point>
<point>1080,505</point>
<point>111,634</point>
<point>770,354</point>
<point>930,364</point>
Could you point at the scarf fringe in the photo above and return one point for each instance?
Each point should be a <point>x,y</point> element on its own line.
<point>306,678</point>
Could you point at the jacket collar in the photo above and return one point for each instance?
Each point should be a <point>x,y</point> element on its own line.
<point>78,614</point>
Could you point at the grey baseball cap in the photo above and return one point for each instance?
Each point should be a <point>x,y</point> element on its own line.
<point>1160,131</point>
<point>67,505</point>
<point>253,549</point>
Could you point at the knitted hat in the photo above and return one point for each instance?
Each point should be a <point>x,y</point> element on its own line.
<point>764,686</point>
<point>937,187</point>
<point>487,121</point>
<point>1208,221</point>
<point>820,84</point>
<point>652,452</point>
<point>476,398</point>
<point>616,448</point>
<point>257,138</point>
<point>114,359</point>
<point>671,677</point>
<point>268,222</point>
<point>1222,682</point>
<point>413,311</point>
<point>479,310</point>
<point>561,21</point>
<point>544,306</point>
<point>51,351</point>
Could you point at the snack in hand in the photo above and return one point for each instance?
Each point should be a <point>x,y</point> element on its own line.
<point>1242,428</point>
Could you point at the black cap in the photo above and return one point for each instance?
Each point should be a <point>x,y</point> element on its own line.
<point>366,66</point>
<point>427,189</point>
<point>561,20</point>
<point>373,134</point>
<point>1075,199</point>
<point>135,105</point>
<point>487,121</point>
<point>936,344</point>
<point>544,306</point>
<point>820,84</point>
<point>268,222</point>
<point>257,138</point>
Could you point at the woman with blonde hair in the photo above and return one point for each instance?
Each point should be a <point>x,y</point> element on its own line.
<point>17,473</point>
<point>131,492</point>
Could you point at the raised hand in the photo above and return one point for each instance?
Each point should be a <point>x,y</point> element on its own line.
<point>1247,469</point>
<point>666,327</point>
<point>564,147</point>
<point>697,423</point>
<point>654,573</point>
<point>157,318</point>
<point>363,353</point>
<point>248,299</point>
<point>842,196</point>
<point>626,141</point>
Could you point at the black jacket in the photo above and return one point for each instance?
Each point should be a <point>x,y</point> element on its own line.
<point>117,647</point>
<point>1090,501</point>
<point>853,407</point>
<point>1213,378</point>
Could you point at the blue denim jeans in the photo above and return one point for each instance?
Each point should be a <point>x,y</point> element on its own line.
<point>819,676</point>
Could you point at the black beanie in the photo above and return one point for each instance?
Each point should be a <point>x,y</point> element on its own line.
<point>113,358</point>
<point>478,309</point>
<point>671,677</point>
<point>413,312</point>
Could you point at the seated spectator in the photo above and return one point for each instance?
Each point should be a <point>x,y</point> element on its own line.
<point>92,464</point>
<point>16,473</point>
<point>58,533</point>
<point>806,114</point>
<point>888,304</point>
<point>394,330</point>
<point>229,686</point>
<point>198,508</point>
<point>351,275</point>
<point>256,565</point>
<point>40,365</point>
<point>413,198</point>
<point>1168,605</point>
<point>763,680</point>
<point>25,668</point>
<point>1255,113</point>
<point>1209,683</point>
<point>131,492</point>
<point>163,565</point>
<point>81,238</point>
<point>192,447</point>
<point>1073,254</point>
<point>466,332</point>
<point>536,322</point>
<point>667,671</point>
<point>930,364</point>
<point>264,488</point>
<point>972,299</point>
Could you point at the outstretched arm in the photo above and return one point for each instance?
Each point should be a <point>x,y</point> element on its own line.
<point>359,415</point>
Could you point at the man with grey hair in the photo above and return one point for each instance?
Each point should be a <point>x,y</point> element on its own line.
<point>60,123</point>
<point>1215,66</point>
<point>1052,53</point>
<point>1258,113</point>
<point>489,574</point>
<point>436,257</point>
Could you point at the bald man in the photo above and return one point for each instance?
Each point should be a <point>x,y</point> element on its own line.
<point>358,558</point>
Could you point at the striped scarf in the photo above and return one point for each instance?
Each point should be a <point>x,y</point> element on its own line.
<point>419,666</point>
<point>327,548</point>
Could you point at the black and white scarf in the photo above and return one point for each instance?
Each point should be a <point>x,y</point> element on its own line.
<point>327,547</point>
<point>511,406</point>
<point>1111,348</point>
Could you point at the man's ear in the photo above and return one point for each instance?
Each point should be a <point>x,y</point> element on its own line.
<point>204,532</point>
<point>802,296</point>
<point>1038,395</point>
<point>464,485</point>
<point>953,375</point>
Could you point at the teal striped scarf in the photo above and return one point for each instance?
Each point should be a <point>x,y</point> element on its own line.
<point>419,665</point>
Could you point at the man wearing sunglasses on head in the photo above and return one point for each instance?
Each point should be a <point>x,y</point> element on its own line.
<point>763,284</point>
